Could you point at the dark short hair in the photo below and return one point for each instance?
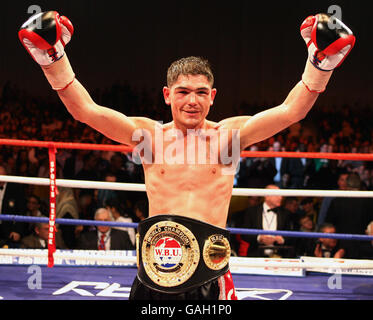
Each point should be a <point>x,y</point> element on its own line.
<point>35,197</point>
<point>306,201</point>
<point>143,206</point>
<point>302,216</point>
<point>189,66</point>
<point>353,181</point>
<point>325,226</point>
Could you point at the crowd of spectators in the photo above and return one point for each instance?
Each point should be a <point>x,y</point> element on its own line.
<point>327,129</point>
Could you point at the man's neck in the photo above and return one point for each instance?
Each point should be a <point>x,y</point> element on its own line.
<point>184,129</point>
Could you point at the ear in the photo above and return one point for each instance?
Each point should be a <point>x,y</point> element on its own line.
<point>166,95</point>
<point>213,94</point>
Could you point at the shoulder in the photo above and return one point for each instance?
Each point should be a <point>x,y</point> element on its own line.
<point>255,209</point>
<point>119,233</point>
<point>146,123</point>
<point>233,122</point>
<point>29,238</point>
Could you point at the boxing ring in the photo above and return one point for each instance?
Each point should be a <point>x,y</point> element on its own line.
<point>50,274</point>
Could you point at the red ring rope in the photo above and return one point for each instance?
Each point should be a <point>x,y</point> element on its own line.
<point>245,154</point>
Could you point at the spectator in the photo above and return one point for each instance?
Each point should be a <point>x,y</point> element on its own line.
<point>235,220</point>
<point>366,248</point>
<point>342,185</point>
<point>260,173</point>
<point>307,206</point>
<point>104,195</point>
<point>117,167</point>
<point>291,204</point>
<point>141,209</point>
<point>119,215</point>
<point>326,247</point>
<point>12,202</point>
<point>33,207</point>
<point>89,170</point>
<point>39,238</point>
<point>67,208</point>
<point>74,163</point>
<point>367,179</point>
<point>267,216</point>
<point>302,244</point>
<point>135,174</point>
<point>87,204</point>
<point>104,238</point>
<point>242,175</point>
<point>306,223</point>
<point>351,215</point>
<point>277,162</point>
<point>299,170</point>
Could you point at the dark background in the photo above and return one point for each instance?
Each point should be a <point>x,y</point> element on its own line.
<point>255,47</point>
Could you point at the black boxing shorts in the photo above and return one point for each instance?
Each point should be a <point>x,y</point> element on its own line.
<point>181,258</point>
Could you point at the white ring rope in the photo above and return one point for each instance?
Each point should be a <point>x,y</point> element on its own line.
<point>239,262</point>
<point>141,187</point>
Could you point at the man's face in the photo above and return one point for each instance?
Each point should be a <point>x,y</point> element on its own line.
<point>42,231</point>
<point>277,146</point>
<point>32,204</point>
<point>306,223</point>
<point>104,216</point>
<point>292,206</point>
<point>342,181</point>
<point>329,243</point>
<point>273,201</point>
<point>190,98</point>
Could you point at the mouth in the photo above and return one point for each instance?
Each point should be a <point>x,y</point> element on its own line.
<point>191,112</point>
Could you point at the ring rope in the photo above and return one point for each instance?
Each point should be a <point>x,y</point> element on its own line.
<point>243,192</point>
<point>236,262</point>
<point>298,234</point>
<point>248,154</point>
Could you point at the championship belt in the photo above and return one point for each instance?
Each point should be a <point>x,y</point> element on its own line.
<point>176,254</point>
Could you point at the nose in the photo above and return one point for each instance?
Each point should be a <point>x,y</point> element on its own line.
<point>192,99</point>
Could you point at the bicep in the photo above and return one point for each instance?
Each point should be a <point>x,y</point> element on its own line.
<point>121,128</point>
<point>264,125</point>
<point>269,122</point>
<point>111,123</point>
<point>261,126</point>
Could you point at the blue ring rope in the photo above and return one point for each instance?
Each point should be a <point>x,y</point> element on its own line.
<point>296,234</point>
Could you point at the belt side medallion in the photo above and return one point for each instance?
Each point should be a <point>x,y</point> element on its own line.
<point>216,252</point>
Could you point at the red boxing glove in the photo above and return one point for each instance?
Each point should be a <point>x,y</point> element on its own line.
<point>328,39</point>
<point>45,35</point>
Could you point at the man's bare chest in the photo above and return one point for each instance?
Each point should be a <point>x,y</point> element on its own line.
<point>196,152</point>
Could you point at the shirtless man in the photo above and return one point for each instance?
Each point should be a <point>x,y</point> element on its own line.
<point>183,251</point>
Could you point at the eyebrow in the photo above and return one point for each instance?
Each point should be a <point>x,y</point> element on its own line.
<point>198,89</point>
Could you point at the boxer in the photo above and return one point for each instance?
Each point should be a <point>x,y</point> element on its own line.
<point>183,248</point>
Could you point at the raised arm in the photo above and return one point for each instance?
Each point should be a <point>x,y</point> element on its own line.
<point>46,45</point>
<point>109,122</point>
<point>327,48</point>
